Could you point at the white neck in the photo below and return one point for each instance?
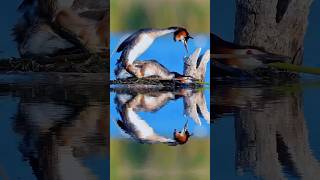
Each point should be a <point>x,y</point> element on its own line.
<point>162,32</point>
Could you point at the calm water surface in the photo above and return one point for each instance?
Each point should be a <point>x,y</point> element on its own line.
<point>266,131</point>
<point>54,126</point>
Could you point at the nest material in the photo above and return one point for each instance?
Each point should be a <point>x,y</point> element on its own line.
<point>153,83</point>
<point>194,66</point>
<point>82,63</point>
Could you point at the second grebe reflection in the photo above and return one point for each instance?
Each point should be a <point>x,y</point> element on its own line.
<point>61,120</point>
<point>182,136</point>
<point>130,103</point>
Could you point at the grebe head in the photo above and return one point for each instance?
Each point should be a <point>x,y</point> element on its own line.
<point>183,136</point>
<point>182,35</point>
<point>182,78</point>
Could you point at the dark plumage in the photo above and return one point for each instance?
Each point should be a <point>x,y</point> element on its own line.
<point>241,57</point>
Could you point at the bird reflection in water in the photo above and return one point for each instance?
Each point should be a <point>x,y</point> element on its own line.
<point>130,103</point>
<point>182,136</point>
<point>62,124</point>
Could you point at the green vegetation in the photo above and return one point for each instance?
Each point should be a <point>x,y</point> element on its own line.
<point>128,15</point>
<point>296,68</point>
<point>130,160</point>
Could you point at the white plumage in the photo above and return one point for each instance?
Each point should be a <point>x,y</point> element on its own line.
<point>139,48</point>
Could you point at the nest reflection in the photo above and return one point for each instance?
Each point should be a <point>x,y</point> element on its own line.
<point>61,122</point>
<point>130,102</point>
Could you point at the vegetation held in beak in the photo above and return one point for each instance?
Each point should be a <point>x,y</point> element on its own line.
<point>185,45</point>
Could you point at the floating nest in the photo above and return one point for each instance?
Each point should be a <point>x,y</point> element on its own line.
<point>153,84</point>
<point>194,66</point>
<point>79,63</point>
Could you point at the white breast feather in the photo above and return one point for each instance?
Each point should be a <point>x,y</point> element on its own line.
<point>149,72</point>
<point>139,124</point>
<point>150,100</point>
<point>139,48</point>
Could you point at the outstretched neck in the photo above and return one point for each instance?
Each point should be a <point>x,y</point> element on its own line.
<point>162,32</point>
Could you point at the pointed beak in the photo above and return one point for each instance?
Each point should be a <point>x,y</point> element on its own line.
<point>185,128</point>
<point>185,45</point>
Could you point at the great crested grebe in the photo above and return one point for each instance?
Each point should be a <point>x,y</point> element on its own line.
<point>241,57</point>
<point>140,41</point>
<point>151,68</point>
<point>38,38</point>
<point>139,129</point>
<point>91,33</point>
<point>35,34</point>
<point>132,124</point>
<point>182,136</point>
